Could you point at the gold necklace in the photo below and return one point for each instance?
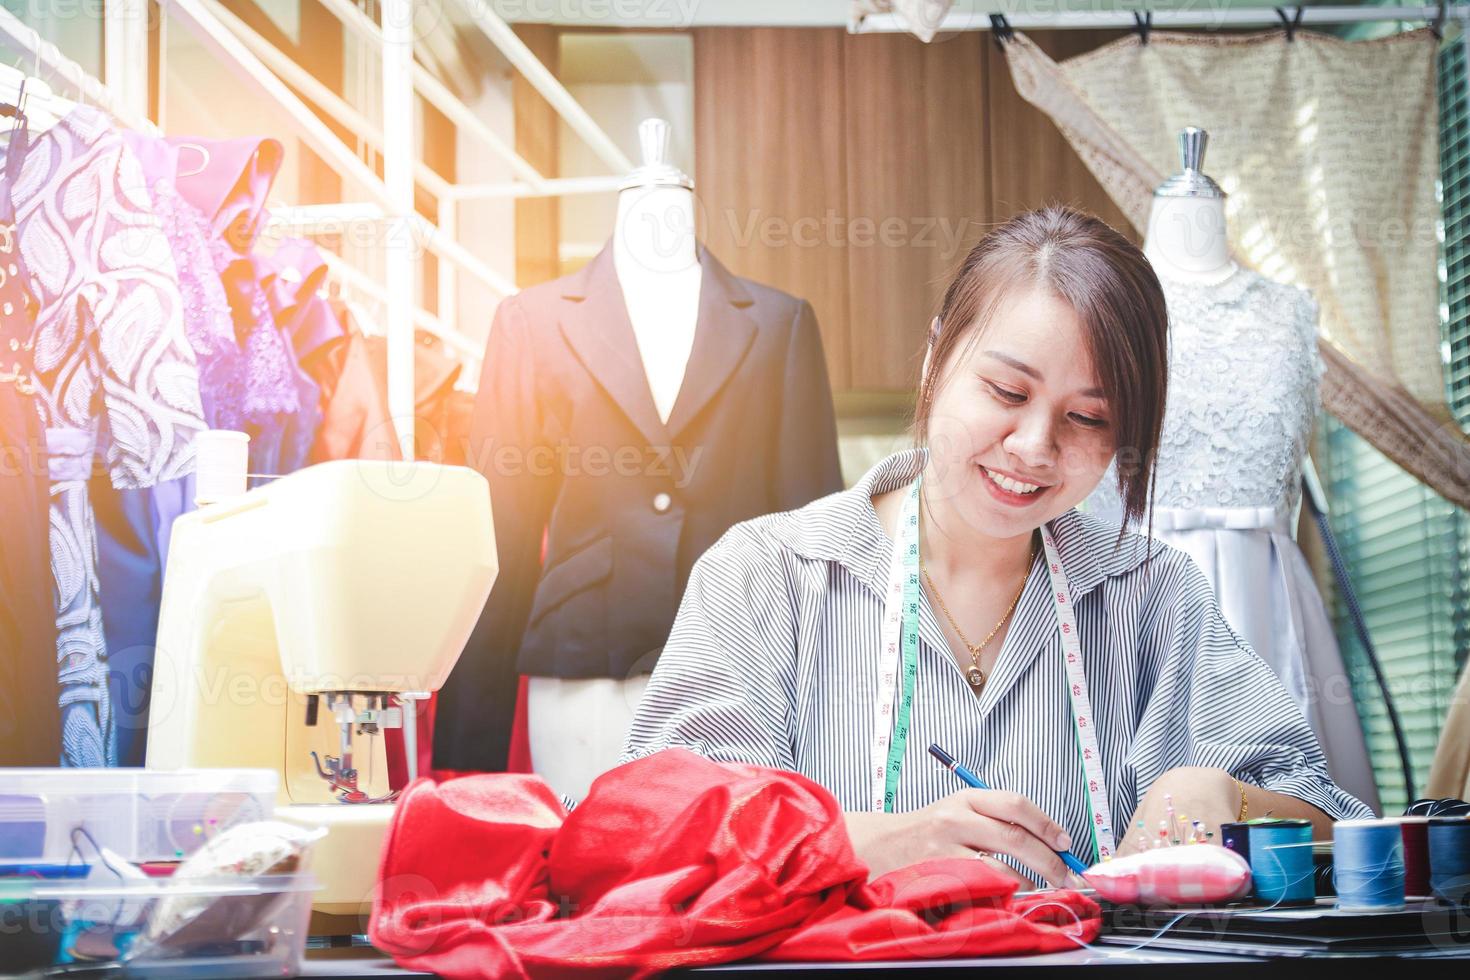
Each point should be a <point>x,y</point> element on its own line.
<point>975,675</point>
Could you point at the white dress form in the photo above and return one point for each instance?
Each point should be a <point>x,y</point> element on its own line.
<point>1242,536</point>
<point>1186,240</point>
<point>657,262</point>
<point>577,726</point>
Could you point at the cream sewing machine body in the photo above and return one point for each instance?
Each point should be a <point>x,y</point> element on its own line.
<point>315,609</point>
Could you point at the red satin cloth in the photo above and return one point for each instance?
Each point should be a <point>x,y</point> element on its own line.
<point>676,861</point>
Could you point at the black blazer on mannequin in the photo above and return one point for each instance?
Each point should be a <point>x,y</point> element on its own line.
<point>566,432</point>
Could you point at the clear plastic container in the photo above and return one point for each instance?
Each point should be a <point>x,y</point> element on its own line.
<point>224,927</point>
<point>141,814</point>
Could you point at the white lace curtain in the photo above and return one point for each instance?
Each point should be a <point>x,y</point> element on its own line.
<point>1329,153</point>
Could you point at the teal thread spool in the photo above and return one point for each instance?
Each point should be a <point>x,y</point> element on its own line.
<point>1368,862</point>
<point>1281,860</point>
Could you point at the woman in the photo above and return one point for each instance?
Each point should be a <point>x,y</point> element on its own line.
<point>794,646</point>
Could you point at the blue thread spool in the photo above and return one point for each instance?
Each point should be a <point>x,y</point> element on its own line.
<point>1281,860</point>
<point>1368,858</point>
<point>1236,837</point>
<point>1449,858</point>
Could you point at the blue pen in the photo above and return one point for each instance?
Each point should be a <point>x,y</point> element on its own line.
<point>970,779</point>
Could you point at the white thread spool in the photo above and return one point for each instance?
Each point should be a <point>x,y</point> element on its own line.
<point>222,458</point>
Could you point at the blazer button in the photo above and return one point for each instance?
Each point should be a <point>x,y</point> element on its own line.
<point>662,502</point>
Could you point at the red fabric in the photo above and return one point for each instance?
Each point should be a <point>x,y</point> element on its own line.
<point>518,755</point>
<point>518,758</point>
<point>675,861</point>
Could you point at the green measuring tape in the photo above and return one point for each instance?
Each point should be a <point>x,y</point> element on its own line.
<point>908,543</point>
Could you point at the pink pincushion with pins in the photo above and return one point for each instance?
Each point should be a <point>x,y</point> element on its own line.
<point>1193,874</point>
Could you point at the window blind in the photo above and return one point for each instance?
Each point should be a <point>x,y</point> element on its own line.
<point>1408,550</point>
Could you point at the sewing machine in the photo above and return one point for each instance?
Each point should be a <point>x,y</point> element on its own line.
<point>300,620</point>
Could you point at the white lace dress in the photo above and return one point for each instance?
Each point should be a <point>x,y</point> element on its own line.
<point>1243,394</point>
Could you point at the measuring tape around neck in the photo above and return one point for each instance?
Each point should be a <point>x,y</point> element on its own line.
<point>1083,724</point>
<point>899,660</point>
<point>898,667</point>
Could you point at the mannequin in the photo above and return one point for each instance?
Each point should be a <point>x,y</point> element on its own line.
<point>1243,395</point>
<point>577,725</point>
<point>1186,239</point>
<point>656,256</point>
<point>642,405</point>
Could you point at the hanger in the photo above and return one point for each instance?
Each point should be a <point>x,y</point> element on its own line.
<point>1001,30</point>
<point>44,108</point>
<point>203,152</point>
<point>18,143</point>
<point>1292,24</point>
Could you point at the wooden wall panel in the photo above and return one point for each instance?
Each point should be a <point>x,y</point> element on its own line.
<point>918,170</point>
<point>856,171</point>
<point>1031,162</point>
<point>769,174</point>
<point>538,219</point>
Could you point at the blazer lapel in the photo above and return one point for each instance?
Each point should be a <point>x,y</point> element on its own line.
<point>721,337</point>
<point>596,325</point>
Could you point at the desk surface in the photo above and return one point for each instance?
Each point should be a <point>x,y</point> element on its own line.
<point>1101,960</point>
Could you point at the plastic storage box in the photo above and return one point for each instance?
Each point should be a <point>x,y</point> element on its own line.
<point>231,927</point>
<point>141,814</point>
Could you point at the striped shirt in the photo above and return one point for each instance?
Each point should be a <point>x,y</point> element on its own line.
<point>773,661</point>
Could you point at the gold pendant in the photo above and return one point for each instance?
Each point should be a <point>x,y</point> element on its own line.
<point>976,677</point>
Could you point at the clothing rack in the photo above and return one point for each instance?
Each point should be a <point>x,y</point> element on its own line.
<point>402,227</point>
<point>17,35</point>
<point>414,230</point>
<point>1191,18</point>
<point>390,198</point>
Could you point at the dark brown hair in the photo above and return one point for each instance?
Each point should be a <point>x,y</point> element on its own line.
<point>1114,291</point>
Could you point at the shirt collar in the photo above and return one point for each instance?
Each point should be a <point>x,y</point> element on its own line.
<point>844,528</point>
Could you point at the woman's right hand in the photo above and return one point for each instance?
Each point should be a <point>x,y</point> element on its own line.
<point>972,823</point>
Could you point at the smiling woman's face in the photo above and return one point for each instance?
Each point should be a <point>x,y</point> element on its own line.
<point>1019,431</point>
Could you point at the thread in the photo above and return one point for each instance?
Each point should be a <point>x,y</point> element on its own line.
<point>1449,858</point>
<point>1368,860</point>
<point>1447,807</point>
<point>1415,833</point>
<point>1281,860</point>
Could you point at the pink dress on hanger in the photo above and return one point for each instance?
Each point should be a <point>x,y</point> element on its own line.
<point>229,181</point>
<point>207,317</point>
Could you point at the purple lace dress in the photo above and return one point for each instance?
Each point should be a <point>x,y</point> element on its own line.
<point>222,364</point>
<point>280,403</point>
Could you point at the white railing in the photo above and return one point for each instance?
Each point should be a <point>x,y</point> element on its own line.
<point>403,233</point>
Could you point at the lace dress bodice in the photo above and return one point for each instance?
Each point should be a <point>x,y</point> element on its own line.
<point>1243,394</point>
<point>1244,380</point>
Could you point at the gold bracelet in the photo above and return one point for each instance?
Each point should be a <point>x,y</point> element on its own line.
<point>1244,806</point>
